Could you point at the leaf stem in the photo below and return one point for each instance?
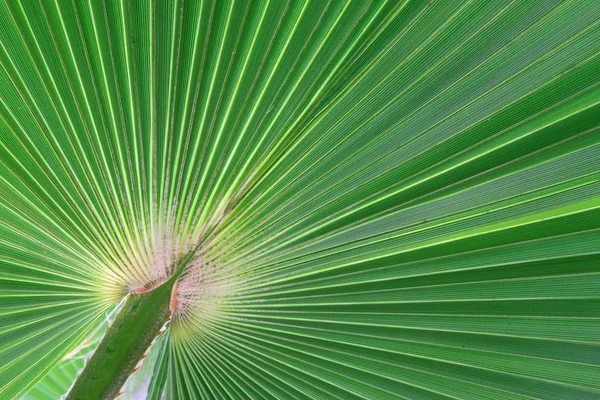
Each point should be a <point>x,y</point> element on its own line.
<point>126,340</point>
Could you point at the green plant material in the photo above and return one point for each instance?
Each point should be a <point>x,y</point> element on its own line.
<point>135,327</point>
<point>378,199</point>
<point>62,377</point>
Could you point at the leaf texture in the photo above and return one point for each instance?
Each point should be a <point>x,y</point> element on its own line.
<point>384,199</point>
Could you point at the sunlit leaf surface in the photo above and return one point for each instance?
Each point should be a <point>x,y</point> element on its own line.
<point>388,199</point>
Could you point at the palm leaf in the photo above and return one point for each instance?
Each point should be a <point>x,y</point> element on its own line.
<point>382,199</point>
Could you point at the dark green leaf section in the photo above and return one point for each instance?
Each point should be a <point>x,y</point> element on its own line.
<point>391,199</point>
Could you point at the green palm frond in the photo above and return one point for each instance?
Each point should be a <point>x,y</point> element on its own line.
<point>377,199</point>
